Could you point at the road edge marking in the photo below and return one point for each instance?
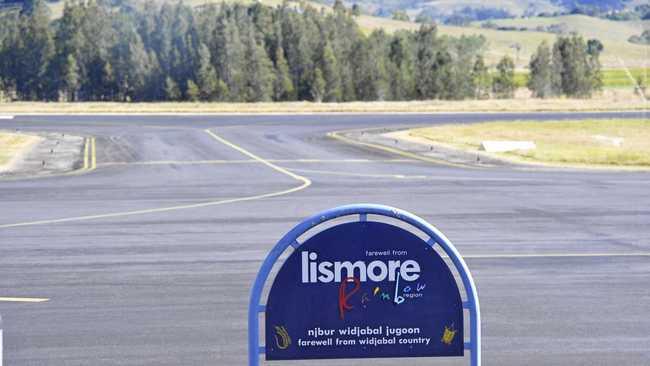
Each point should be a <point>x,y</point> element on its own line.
<point>337,136</point>
<point>250,161</point>
<point>93,156</point>
<point>86,149</point>
<point>24,299</point>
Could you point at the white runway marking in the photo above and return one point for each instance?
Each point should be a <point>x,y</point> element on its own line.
<point>338,135</point>
<point>23,299</point>
<point>6,117</point>
<point>452,178</point>
<point>361,175</point>
<point>305,183</point>
<point>424,177</point>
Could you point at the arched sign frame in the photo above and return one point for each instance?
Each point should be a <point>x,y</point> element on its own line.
<point>255,307</point>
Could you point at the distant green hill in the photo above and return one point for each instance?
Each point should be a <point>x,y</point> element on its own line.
<point>443,10</point>
<point>614,34</point>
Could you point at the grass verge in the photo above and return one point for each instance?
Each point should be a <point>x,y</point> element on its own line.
<point>610,100</point>
<point>582,143</point>
<point>619,78</point>
<point>11,145</point>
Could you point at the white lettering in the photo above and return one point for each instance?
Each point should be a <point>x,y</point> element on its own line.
<point>326,273</point>
<point>349,270</point>
<point>392,267</point>
<point>410,270</point>
<point>305,264</point>
<point>312,267</point>
<point>376,271</point>
<point>382,271</point>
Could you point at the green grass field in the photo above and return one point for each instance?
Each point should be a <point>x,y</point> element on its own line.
<point>612,78</point>
<point>620,78</point>
<point>584,142</point>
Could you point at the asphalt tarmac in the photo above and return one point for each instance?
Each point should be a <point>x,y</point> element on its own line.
<point>149,259</point>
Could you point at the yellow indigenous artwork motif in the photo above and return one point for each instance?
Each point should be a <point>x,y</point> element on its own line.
<point>284,340</point>
<point>448,335</point>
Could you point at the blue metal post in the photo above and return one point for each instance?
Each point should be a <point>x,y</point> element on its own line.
<point>290,239</point>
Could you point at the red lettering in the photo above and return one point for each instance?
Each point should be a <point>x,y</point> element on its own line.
<point>344,296</point>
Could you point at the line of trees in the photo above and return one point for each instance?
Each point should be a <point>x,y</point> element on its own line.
<point>572,68</point>
<point>152,51</point>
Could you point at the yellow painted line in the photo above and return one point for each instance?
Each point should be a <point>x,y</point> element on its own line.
<point>86,148</point>
<point>337,135</point>
<point>88,161</point>
<point>180,162</point>
<point>23,299</point>
<point>338,161</point>
<point>263,161</point>
<point>251,161</point>
<point>305,183</point>
<point>93,160</point>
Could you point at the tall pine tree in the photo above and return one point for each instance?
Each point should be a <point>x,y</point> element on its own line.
<point>503,83</point>
<point>540,80</point>
<point>32,51</point>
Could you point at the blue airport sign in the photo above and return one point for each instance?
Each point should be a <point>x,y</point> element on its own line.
<point>365,289</point>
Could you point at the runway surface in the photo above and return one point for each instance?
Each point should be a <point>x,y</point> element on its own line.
<point>149,259</point>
